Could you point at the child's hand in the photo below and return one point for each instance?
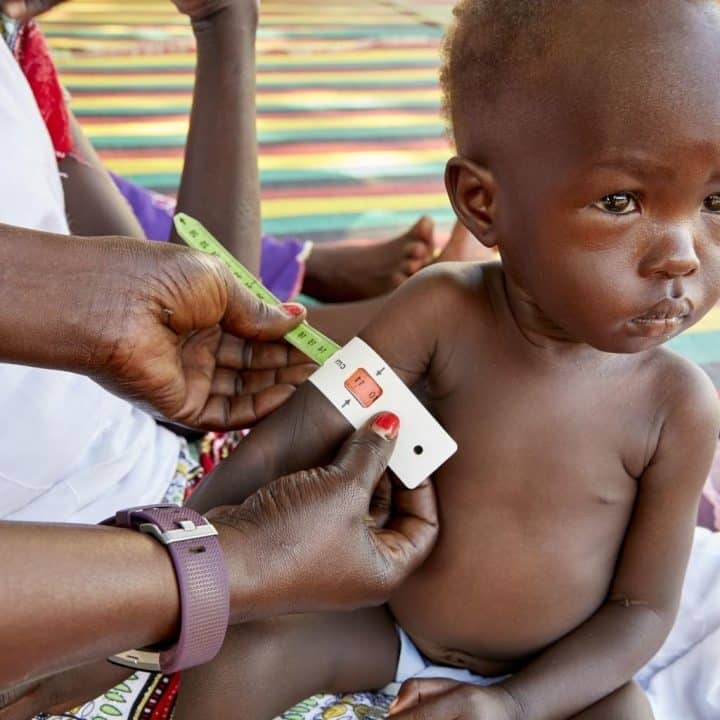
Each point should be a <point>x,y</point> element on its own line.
<point>438,699</point>
<point>202,9</point>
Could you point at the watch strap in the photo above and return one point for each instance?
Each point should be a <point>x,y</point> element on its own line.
<point>202,582</point>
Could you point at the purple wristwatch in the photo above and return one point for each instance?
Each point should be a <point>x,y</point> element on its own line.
<point>202,581</point>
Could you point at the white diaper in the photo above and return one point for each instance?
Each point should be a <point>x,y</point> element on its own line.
<point>412,664</point>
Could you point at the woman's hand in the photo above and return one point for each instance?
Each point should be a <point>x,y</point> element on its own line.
<point>184,339</point>
<point>440,699</point>
<point>308,541</point>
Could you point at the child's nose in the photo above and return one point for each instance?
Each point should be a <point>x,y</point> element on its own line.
<point>672,255</point>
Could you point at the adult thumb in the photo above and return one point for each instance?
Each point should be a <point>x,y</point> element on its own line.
<point>366,453</point>
<point>248,317</point>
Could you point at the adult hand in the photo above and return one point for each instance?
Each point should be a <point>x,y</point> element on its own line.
<point>197,9</point>
<point>26,9</point>
<point>309,541</point>
<point>186,340</point>
<point>440,699</point>
<point>202,9</point>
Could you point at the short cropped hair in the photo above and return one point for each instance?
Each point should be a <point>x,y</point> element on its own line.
<point>491,43</point>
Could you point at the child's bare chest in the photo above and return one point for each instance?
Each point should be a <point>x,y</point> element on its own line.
<point>533,510</point>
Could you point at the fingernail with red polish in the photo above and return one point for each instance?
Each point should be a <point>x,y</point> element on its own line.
<point>386,425</point>
<point>293,308</point>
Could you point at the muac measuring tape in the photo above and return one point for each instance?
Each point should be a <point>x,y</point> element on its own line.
<point>354,378</point>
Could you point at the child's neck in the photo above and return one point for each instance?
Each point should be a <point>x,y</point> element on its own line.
<point>543,333</point>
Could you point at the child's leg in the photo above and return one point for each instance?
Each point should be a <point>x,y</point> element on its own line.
<point>265,668</point>
<point>627,703</point>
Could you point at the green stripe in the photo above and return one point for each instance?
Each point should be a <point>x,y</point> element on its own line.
<point>184,107</point>
<point>69,65</point>
<point>305,177</point>
<point>700,347</point>
<point>110,142</point>
<point>342,223</point>
<point>352,83</point>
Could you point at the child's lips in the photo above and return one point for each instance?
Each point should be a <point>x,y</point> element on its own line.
<point>665,318</point>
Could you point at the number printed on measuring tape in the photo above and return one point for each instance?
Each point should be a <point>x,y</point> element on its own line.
<point>306,338</point>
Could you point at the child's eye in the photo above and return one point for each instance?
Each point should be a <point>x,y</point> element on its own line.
<point>712,203</point>
<point>618,203</point>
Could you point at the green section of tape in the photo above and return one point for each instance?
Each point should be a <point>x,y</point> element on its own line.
<point>306,338</point>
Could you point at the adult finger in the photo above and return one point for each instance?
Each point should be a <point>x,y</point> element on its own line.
<point>366,453</point>
<point>448,705</point>
<point>413,692</point>
<point>234,352</point>
<point>26,9</point>
<point>233,382</point>
<point>225,412</point>
<point>411,532</point>
<point>250,318</point>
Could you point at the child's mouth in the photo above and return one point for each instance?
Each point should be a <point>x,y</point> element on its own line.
<point>665,318</point>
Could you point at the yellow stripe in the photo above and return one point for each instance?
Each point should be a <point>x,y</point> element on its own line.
<point>295,59</point>
<point>349,98</point>
<point>298,207</point>
<point>83,80</point>
<point>343,161</point>
<point>710,323</point>
<point>152,127</point>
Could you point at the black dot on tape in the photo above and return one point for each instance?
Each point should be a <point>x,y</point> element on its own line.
<point>418,450</point>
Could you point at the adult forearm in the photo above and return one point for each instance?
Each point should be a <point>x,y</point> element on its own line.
<point>53,296</point>
<point>71,594</point>
<point>220,183</point>
<point>589,663</point>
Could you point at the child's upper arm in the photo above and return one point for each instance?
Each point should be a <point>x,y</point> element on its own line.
<point>306,431</point>
<point>657,544</point>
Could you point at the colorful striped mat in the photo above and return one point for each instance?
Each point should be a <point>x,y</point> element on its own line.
<point>351,137</point>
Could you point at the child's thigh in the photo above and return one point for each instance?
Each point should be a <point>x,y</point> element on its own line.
<point>267,667</point>
<point>627,703</point>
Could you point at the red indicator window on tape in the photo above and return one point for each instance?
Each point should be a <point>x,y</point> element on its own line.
<point>363,388</point>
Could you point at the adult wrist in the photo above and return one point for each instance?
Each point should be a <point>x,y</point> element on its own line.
<point>201,576</point>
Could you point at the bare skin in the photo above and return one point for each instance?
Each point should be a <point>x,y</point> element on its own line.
<point>567,514</point>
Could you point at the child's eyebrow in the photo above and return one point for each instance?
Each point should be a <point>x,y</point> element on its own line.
<point>642,167</point>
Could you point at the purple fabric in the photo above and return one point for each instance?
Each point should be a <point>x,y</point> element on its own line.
<point>281,265</point>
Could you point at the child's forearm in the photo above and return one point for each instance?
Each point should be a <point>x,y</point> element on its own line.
<point>303,433</point>
<point>220,178</point>
<point>590,663</point>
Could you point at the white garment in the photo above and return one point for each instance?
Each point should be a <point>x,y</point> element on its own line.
<point>69,450</point>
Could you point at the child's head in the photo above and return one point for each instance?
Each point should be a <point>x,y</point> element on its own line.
<point>589,141</point>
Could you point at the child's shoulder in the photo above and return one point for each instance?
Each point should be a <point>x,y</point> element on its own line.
<point>684,391</point>
<point>451,283</point>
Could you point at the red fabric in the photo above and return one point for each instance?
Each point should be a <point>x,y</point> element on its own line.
<point>33,56</point>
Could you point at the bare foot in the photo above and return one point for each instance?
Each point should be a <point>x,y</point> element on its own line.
<point>464,246</point>
<point>343,272</point>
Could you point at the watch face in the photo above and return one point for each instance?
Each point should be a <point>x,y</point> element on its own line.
<point>363,388</point>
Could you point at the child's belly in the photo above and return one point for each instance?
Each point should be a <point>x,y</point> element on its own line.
<point>503,583</point>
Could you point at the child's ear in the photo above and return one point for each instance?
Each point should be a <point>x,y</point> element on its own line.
<point>472,191</point>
